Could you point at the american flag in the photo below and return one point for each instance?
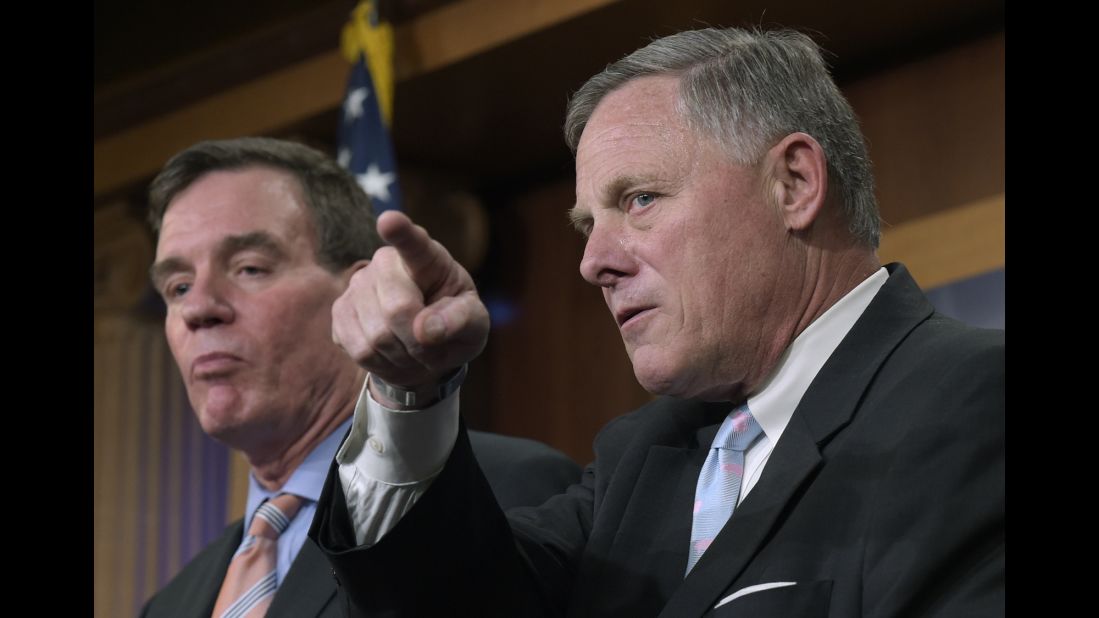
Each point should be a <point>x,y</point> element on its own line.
<point>367,111</point>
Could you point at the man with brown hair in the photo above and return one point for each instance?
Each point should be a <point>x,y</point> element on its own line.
<point>257,238</point>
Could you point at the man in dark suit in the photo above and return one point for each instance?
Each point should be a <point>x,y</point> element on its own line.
<point>826,444</point>
<point>256,239</point>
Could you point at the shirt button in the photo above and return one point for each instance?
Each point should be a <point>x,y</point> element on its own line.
<point>376,445</point>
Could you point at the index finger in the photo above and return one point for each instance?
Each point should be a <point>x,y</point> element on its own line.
<point>427,261</point>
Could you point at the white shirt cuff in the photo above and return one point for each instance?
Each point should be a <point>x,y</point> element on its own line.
<point>390,458</point>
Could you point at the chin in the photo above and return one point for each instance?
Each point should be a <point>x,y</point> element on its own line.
<point>656,377</point>
<point>659,376</point>
<point>217,425</point>
<point>219,416</point>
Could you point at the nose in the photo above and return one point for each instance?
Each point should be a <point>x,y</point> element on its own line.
<point>607,259</point>
<point>205,304</point>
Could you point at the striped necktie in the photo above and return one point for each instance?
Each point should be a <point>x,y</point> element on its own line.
<point>719,483</point>
<point>251,579</point>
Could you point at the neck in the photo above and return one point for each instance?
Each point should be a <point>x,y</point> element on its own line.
<point>274,465</point>
<point>833,277</point>
<point>827,277</point>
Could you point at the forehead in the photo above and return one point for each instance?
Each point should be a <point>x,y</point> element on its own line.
<point>234,202</point>
<point>632,124</point>
<point>643,106</point>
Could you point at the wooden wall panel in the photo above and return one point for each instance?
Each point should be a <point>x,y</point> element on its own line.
<point>271,102</point>
<point>949,245</point>
<point>936,129</point>
<point>559,372</point>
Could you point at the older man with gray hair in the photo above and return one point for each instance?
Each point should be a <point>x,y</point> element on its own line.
<point>825,443</point>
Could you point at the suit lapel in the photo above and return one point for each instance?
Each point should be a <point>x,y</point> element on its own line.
<point>649,514</point>
<point>826,408</point>
<point>196,599</point>
<point>834,395</point>
<point>308,587</point>
<point>649,550</point>
<point>306,590</point>
<point>793,460</point>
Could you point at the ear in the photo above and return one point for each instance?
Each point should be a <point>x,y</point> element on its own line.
<point>798,179</point>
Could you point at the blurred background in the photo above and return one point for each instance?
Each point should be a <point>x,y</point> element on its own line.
<point>481,87</point>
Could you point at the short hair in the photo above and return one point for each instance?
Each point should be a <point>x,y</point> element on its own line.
<point>340,209</point>
<point>748,89</point>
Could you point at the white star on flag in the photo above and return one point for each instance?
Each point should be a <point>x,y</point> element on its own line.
<point>353,105</point>
<point>363,147</point>
<point>375,183</point>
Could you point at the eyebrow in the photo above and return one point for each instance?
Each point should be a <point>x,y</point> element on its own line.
<point>258,241</point>
<point>161,270</point>
<point>621,184</point>
<point>580,216</point>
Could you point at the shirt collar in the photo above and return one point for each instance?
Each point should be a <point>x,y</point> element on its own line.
<point>773,406</point>
<point>306,481</point>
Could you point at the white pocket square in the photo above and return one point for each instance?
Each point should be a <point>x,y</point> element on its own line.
<point>751,589</point>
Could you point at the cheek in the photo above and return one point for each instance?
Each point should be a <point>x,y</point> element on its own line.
<point>176,337</point>
<point>304,336</point>
<point>306,309</point>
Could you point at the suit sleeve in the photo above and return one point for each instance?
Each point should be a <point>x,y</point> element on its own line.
<point>455,553</point>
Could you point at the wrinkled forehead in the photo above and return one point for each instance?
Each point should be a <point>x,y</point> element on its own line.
<point>645,104</point>
<point>225,203</point>
<point>636,130</point>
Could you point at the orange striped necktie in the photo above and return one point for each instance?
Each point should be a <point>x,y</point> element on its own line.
<point>251,579</point>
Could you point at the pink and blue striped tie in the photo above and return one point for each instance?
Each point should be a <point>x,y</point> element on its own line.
<point>719,483</point>
<point>251,579</point>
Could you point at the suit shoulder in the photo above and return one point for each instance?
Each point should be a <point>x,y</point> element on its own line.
<point>945,373</point>
<point>944,349</point>
<point>956,337</point>
<point>201,576</point>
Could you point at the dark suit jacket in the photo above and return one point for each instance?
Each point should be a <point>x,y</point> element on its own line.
<point>883,497</point>
<point>520,472</point>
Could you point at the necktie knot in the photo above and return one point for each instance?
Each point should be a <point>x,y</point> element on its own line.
<point>740,432</point>
<point>273,516</point>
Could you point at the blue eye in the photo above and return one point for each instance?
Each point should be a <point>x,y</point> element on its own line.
<point>643,200</point>
<point>178,290</point>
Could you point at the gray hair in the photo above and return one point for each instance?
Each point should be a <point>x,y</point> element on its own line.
<point>749,89</point>
<point>340,209</point>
